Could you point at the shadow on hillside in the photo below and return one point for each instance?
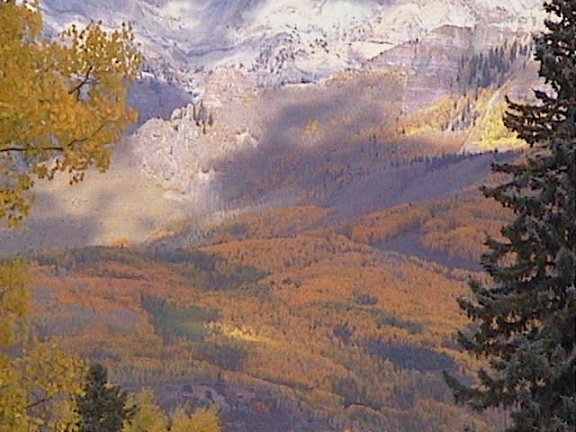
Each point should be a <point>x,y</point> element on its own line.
<point>154,99</point>
<point>333,148</point>
<point>410,243</point>
<point>311,136</point>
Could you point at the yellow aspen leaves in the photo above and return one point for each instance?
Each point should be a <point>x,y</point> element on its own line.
<point>63,102</point>
<point>149,417</point>
<point>204,420</point>
<point>13,301</point>
<point>37,380</point>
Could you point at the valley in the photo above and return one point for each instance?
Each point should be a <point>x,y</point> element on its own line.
<point>281,317</point>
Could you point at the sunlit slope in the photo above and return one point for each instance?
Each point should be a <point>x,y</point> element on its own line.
<point>122,205</point>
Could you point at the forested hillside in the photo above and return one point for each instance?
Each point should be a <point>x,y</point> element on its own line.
<point>290,317</point>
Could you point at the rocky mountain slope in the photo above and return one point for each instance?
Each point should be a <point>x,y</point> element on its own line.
<point>385,83</point>
<point>284,40</point>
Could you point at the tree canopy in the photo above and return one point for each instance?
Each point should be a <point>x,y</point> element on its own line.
<point>102,407</point>
<point>526,316</point>
<point>62,108</point>
<point>37,380</point>
<point>63,101</point>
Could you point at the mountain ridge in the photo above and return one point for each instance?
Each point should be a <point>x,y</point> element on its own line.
<point>287,40</point>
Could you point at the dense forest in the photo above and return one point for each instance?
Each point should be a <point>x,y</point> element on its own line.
<point>278,318</point>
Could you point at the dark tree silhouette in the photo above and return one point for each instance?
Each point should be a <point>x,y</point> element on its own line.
<point>526,317</point>
<point>102,407</point>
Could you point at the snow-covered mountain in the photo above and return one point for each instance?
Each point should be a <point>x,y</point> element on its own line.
<point>277,41</point>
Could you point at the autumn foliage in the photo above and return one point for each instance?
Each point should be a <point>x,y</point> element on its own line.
<point>321,324</point>
<point>63,102</point>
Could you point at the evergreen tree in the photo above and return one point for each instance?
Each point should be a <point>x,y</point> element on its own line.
<point>102,407</point>
<point>526,317</point>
